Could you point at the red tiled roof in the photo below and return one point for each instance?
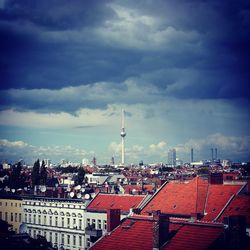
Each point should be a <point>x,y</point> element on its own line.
<point>195,237</point>
<point>180,198</point>
<point>136,233</point>
<point>218,196</point>
<point>133,234</point>
<point>195,196</point>
<point>240,205</point>
<point>102,202</point>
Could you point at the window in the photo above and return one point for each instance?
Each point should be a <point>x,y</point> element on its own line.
<point>68,239</point>
<point>0,203</point>
<point>15,217</point>
<point>34,233</point>
<point>68,222</point>
<point>45,234</point>
<point>39,232</point>
<point>50,236</point>
<point>62,239</point>
<point>11,217</point>
<point>74,240</point>
<point>74,222</point>
<point>56,221</point>
<point>20,217</point>
<point>80,240</point>
<point>0,215</point>
<point>44,220</point>
<point>93,223</point>
<point>99,224</point>
<point>11,204</point>
<point>15,204</point>
<point>88,242</point>
<point>62,221</point>
<point>34,219</point>
<point>29,218</point>
<point>105,225</point>
<point>25,218</point>
<point>50,220</point>
<point>88,222</point>
<point>56,237</point>
<point>6,204</point>
<point>39,219</point>
<point>80,224</point>
<point>6,215</point>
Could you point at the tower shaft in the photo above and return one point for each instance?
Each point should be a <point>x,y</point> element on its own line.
<point>123,134</point>
<point>123,151</point>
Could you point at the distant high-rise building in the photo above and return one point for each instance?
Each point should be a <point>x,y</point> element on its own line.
<point>215,155</point>
<point>172,157</point>
<point>47,162</point>
<point>212,154</point>
<point>94,161</point>
<point>112,162</point>
<point>192,155</point>
<point>123,134</point>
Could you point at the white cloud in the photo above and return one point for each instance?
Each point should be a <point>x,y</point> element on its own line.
<point>132,29</point>
<point>15,150</point>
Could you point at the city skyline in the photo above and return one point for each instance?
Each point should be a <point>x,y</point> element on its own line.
<point>180,71</point>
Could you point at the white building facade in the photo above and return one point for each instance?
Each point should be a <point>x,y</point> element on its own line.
<point>60,221</point>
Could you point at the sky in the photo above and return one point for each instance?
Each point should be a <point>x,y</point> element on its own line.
<point>179,69</point>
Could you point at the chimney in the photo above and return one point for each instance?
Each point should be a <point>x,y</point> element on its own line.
<point>216,178</point>
<point>113,219</point>
<point>235,233</point>
<point>160,229</point>
<point>136,210</point>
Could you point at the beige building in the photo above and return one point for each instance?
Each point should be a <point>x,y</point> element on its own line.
<point>11,211</point>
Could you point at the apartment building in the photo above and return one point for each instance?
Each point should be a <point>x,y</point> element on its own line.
<point>11,211</point>
<point>60,221</point>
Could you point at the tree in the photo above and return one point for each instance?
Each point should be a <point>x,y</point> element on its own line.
<point>35,173</point>
<point>15,176</point>
<point>43,174</point>
<point>80,175</point>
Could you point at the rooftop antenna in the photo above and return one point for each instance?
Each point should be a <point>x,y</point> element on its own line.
<point>123,134</point>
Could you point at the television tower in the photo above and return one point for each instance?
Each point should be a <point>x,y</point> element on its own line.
<point>123,134</point>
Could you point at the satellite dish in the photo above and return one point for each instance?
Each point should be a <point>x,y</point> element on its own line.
<point>82,189</point>
<point>78,195</point>
<point>87,196</point>
<point>43,189</point>
<point>78,187</point>
<point>13,190</point>
<point>71,194</point>
<point>23,228</point>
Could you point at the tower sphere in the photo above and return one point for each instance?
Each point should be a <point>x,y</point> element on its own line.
<point>123,133</point>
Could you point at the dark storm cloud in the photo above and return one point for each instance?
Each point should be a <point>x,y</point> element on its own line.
<point>56,14</point>
<point>201,52</point>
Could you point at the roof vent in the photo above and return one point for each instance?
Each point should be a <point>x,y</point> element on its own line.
<point>129,225</point>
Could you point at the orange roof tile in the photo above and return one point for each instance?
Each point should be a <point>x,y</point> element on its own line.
<point>240,205</point>
<point>194,236</point>
<point>218,196</point>
<point>103,201</point>
<point>180,198</point>
<point>136,233</point>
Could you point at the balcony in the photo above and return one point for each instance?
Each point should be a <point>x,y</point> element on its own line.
<point>93,232</point>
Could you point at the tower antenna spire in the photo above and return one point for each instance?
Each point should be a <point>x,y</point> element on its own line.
<point>123,134</point>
